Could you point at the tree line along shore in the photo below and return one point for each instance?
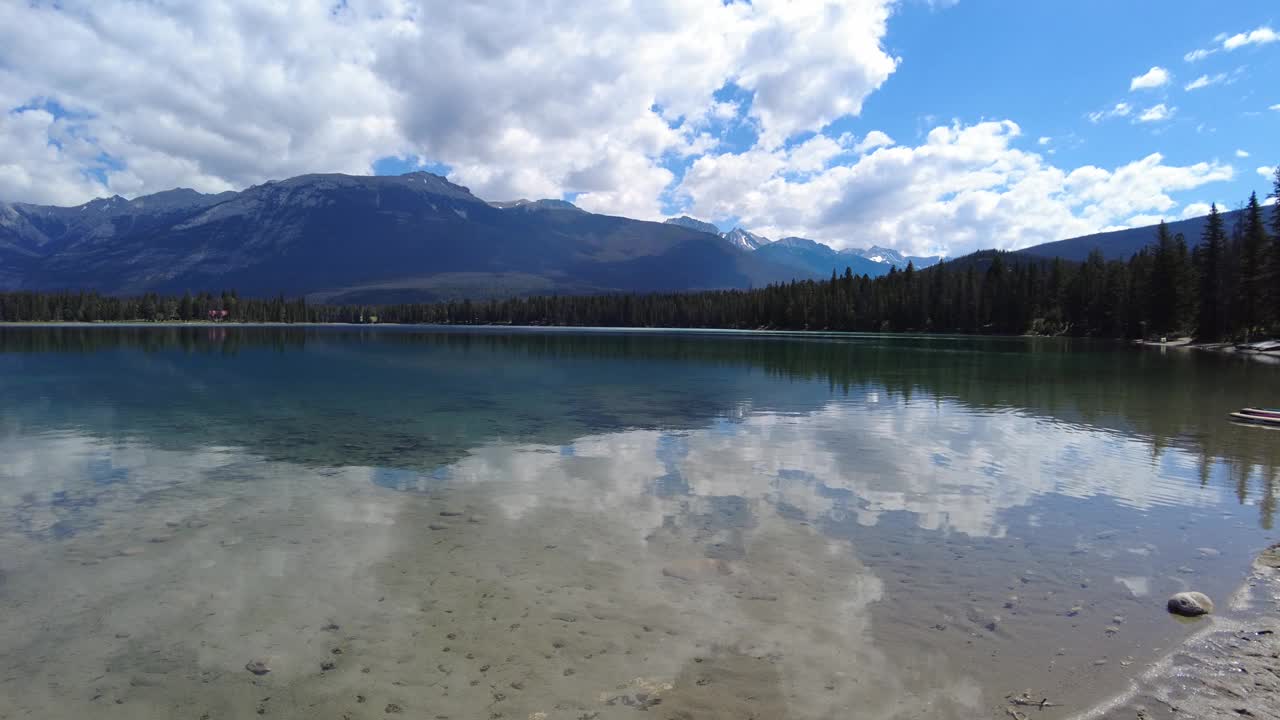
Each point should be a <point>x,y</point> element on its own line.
<point>1226,287</point>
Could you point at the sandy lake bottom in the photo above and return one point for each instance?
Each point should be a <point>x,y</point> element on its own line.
<point>554,594</point>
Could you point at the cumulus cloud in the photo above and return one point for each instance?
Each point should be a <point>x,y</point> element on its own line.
<point>1045,140</point>
<point>873,140</point>
<point>1242,153</point>
<point>207,95</point>
<point>1276,107</point>
<point>42,158</point>
<point>1260,36</point>
<point>517,98</point>
<point>1192,210</point>
<point>1266,171</point>
<point>965,187</point>
<point>1153,78</point>
<point>603,99</point>
<point>1155,113</point>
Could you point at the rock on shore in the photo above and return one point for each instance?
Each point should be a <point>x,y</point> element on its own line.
<point>1190,604</point>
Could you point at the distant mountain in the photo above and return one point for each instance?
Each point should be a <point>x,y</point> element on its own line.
<point>536,205</point>
<point>892,257</point>
<point>811,255</point>
<point>736,237</point>
<point>1123,244</point>
<point>814,258</point>
<point>349,238</point>
<point>685,221</point>
<point>744,240</point>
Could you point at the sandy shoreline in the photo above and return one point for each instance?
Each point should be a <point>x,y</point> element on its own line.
<point>1228,669</point>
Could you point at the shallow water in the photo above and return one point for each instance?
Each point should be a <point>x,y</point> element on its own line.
<point>555,524</point>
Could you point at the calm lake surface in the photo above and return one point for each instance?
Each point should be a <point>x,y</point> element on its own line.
<point>583,525</point>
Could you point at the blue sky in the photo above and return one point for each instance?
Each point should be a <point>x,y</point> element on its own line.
<point>925,125</point>
<point>1047,65</point>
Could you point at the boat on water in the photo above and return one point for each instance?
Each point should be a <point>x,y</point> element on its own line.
<point>1258,416</point>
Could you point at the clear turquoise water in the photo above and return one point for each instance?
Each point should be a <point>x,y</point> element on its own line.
<point>581,524</point>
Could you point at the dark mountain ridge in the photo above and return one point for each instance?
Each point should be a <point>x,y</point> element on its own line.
<point>355,238</point>
<point>1123,244</point>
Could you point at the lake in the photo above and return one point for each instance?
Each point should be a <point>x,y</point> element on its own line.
<point>544,524</point>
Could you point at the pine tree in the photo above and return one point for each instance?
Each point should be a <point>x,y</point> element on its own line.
<point>1209,319</point>
<point>1163,284</point>
<point>1273,269</point>
<point>1253,265</point>
<point>1185,280</point>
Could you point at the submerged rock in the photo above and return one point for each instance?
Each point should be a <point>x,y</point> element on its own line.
<point>257,666</point>
<point>983,619</point>
<point>1190,604</point>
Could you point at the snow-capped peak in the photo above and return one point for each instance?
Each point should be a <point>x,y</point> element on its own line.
<point>745,240</point>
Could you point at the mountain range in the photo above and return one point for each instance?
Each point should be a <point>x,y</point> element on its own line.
<point>413,238</point>
<point>810,256</point>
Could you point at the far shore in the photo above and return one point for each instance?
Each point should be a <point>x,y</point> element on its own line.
<point>1179,343</point>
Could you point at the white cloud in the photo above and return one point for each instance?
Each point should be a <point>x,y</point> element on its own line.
<point>1275,107</point>
<point>1142,220</point>
<point>724,110</point>
<point>963,188</point>
<point>813,154</point>
<point>1242,153</point>
<point>41,158</point>
<point>1120,109</point>
<point>527,99</point>
<point>1195,210</point>
<point>1205,81</point>
<point>1153,78</point>
<point>1156,113</point>
<point>1266,171</point>
<point>1045,140</point>
<point>519,99</point>
<point>1260,36</point>
<point>873,140</point>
